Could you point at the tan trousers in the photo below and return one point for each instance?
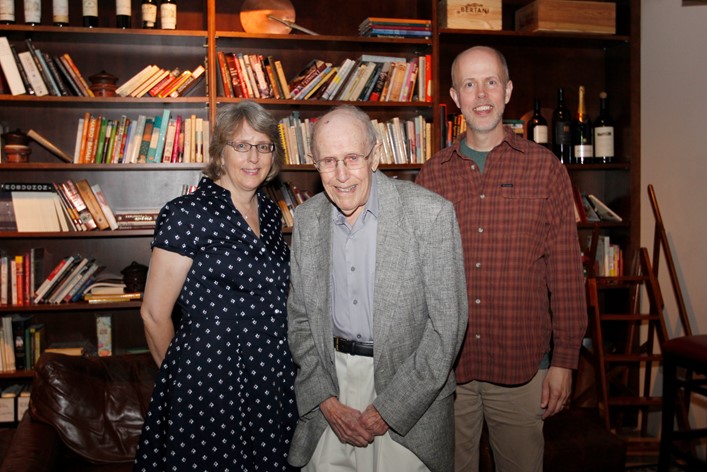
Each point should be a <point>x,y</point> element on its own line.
<point>357,390</point>
<point>514,419</point>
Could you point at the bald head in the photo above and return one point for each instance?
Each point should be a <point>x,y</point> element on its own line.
<point>475,53</point>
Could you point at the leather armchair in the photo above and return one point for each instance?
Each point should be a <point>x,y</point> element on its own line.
<point>85,414</point>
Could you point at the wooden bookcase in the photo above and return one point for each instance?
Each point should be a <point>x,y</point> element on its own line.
<point>539,64</point>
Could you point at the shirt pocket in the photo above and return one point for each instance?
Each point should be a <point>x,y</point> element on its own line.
<point>524,208</point>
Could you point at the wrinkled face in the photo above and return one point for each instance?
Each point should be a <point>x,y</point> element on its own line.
<point>338,136</point>
<point>245,171</point>
<point>481,90</point>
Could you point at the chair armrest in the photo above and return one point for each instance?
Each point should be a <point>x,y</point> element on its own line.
<point>35,447</point>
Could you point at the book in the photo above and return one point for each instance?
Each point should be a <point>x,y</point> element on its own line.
<point>10,69</point>
<point>161,136</point>
<point>37,341</point>
<point>104,335</point>
<point>112,298</point>
<point>88,273</point>
<point>190,83</point>
<point>165,82</point>
<point>105,206</point>
<point>167,91</point>
<point>32,73</point>
<point>225,76</point>
<point>35,211</point>
<point>23,72</point>
<point>71,192</point>
<point>144,146</point>
<point>280,73</point>
<point>57,292</point>
<point>89,149</point>
<point>55,277</point>
<point>41,66</point>
<point>105,287</point>
<point>143,88</point>
<point>89,199</point>
<point>69,62</point>
<point>70,348</point>
<point>133,82</point>
<point>55,74</point>
<point>20,324</point>
<point>73,87</point>
<point>602,210</point>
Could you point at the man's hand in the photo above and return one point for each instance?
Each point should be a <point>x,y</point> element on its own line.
<point>373,421</point>
<point>346,423</point>
<point>557,388</point>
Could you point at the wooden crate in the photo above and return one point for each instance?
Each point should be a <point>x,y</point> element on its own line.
<point>567,15</point>
<point>476,15</point>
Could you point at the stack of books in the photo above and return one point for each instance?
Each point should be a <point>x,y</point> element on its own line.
<point>156,81</point>
<point>395,28</point>
<point>21,274</point>
<point>34,72</point>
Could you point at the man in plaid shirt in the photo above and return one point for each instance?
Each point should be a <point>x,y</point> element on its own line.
<point>527,309</point>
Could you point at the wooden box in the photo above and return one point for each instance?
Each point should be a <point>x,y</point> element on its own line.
<point>567,15</point>
<point>470,15</point>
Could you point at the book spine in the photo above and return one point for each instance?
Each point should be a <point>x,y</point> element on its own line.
<point>9,68</point>
<point>54,72</point>
<point>72,194</point>
<point>33,75</point>
<point>22,71</point>
<point>224,75</point>
<point>39,62</point>
<point>66,76</point>
<point>84,189</point>
<point>189,84</point>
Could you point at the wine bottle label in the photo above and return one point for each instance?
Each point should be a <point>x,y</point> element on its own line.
<point>604,141</point>
<point>60,11</point>
<point>90,7</point>
<point>7,11</point>
<point>562,133</point>
<point>168,15</point>
<point>122,7</point>
<point>582,152</point>
<point>540,134</point>
<point>149,14</point>
<point>33,11</point>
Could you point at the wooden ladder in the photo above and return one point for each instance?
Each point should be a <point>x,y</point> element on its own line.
<point>620,357</point>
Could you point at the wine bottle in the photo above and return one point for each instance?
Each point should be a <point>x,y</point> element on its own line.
<point>561,135</point>
<point>582,133</point>
<point>123,13</point>
<point>149,13</point>
<point>33,12</point>
<point>168,14</point>
<point>89,11</point>
<point>603,133</point>
<point>60,12</point>
<point>7,12</point>
<point>537,126</point>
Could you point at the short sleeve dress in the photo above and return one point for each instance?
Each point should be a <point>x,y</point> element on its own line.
<point>224,396</point>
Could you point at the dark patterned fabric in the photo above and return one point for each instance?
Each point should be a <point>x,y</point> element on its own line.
<point>224,397</point>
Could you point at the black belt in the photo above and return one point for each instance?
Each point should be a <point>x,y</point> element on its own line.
<point>354,348</point>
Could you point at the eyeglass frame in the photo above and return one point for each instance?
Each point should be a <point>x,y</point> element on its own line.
<point>336,165</point>
<point>233,144</point>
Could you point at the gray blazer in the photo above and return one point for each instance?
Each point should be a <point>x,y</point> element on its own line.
<point>419,319</point>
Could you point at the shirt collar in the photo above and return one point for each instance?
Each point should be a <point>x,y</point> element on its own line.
<point>509,138</point>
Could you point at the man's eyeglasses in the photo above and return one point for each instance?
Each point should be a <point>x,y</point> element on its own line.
<point>351,162</point>
<point>262,148</point>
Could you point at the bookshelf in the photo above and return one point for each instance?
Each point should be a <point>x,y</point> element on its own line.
<point>539,64</point>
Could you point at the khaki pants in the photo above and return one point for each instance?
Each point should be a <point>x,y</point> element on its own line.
<point>514,419</point>
<point>357,390</point>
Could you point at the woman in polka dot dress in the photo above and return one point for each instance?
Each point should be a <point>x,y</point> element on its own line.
<point>224,397</point>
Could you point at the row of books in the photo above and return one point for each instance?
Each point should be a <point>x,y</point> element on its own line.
<point>287,196</point>
<point>156,81</point>
<point>34,72</point>
<point>403,141</point>
<point>21,342</point>
<point>251,76</point>
<point>21,275</point>
<point>163,138</point>
<point>395,28</point>
<point>608,260</point>
<point>55,207</point>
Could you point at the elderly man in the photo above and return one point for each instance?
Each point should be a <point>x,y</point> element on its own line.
<point>377,312</point>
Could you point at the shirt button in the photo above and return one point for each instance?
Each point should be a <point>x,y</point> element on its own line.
<point>482,196</point>
<point>477,336</point>
<point>477,265</point>
<point>358,336</point>
<point>481,230</point>
<point>477,301</point>
<point>473,167</point>
<point>355,302</point>
<point>353,269</point>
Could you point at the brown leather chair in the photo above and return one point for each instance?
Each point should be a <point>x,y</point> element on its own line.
<point>85,414</point>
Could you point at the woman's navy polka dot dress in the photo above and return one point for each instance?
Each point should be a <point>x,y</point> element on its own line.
<point>224,396</point>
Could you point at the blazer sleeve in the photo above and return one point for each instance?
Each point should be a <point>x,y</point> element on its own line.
<point>426,374</point>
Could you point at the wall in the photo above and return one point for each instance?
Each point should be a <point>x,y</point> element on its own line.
<point>673,157</point>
